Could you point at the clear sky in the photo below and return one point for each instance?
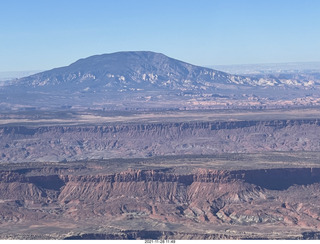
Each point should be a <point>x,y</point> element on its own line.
<point>44,34</point>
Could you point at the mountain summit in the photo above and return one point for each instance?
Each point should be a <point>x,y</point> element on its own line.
<point>133,70</point>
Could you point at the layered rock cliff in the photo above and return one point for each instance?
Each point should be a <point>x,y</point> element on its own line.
<point>58,143</point>
<point>208,198</point>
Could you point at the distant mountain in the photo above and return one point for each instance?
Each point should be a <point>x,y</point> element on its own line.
<point>133,70</point>
<point>140,80</point>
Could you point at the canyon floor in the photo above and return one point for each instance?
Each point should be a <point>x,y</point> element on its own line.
<point>160,175</point>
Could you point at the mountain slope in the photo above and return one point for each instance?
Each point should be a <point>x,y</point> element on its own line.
<point>133,70</point>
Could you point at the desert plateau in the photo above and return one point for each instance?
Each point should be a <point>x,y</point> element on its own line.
<point>210,174</point>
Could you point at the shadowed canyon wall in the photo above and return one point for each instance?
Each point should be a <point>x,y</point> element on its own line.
<point>218,196</point>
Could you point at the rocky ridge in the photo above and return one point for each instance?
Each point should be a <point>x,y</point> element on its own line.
<point>204,197</point>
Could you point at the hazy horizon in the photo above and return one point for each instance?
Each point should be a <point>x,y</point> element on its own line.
<point>239,68</point>
<point>5,72</point>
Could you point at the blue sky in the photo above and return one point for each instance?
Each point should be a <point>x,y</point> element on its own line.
<point>44,34</point>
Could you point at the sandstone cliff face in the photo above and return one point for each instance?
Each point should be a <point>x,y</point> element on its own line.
<point>58,143</point>
<point>213,197</point>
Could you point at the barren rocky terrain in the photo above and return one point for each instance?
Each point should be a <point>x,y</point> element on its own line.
<point>161,175</point>
<point>146,135</point>
<point>197,198</point>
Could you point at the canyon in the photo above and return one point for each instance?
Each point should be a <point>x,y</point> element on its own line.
<point>85,141</point>
<point>85,201</point>
<point>161,175</point>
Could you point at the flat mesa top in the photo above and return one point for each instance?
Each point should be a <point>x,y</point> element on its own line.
<point>98,117</point>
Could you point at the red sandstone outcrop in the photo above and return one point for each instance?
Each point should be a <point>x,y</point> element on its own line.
<point>217,197</point>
